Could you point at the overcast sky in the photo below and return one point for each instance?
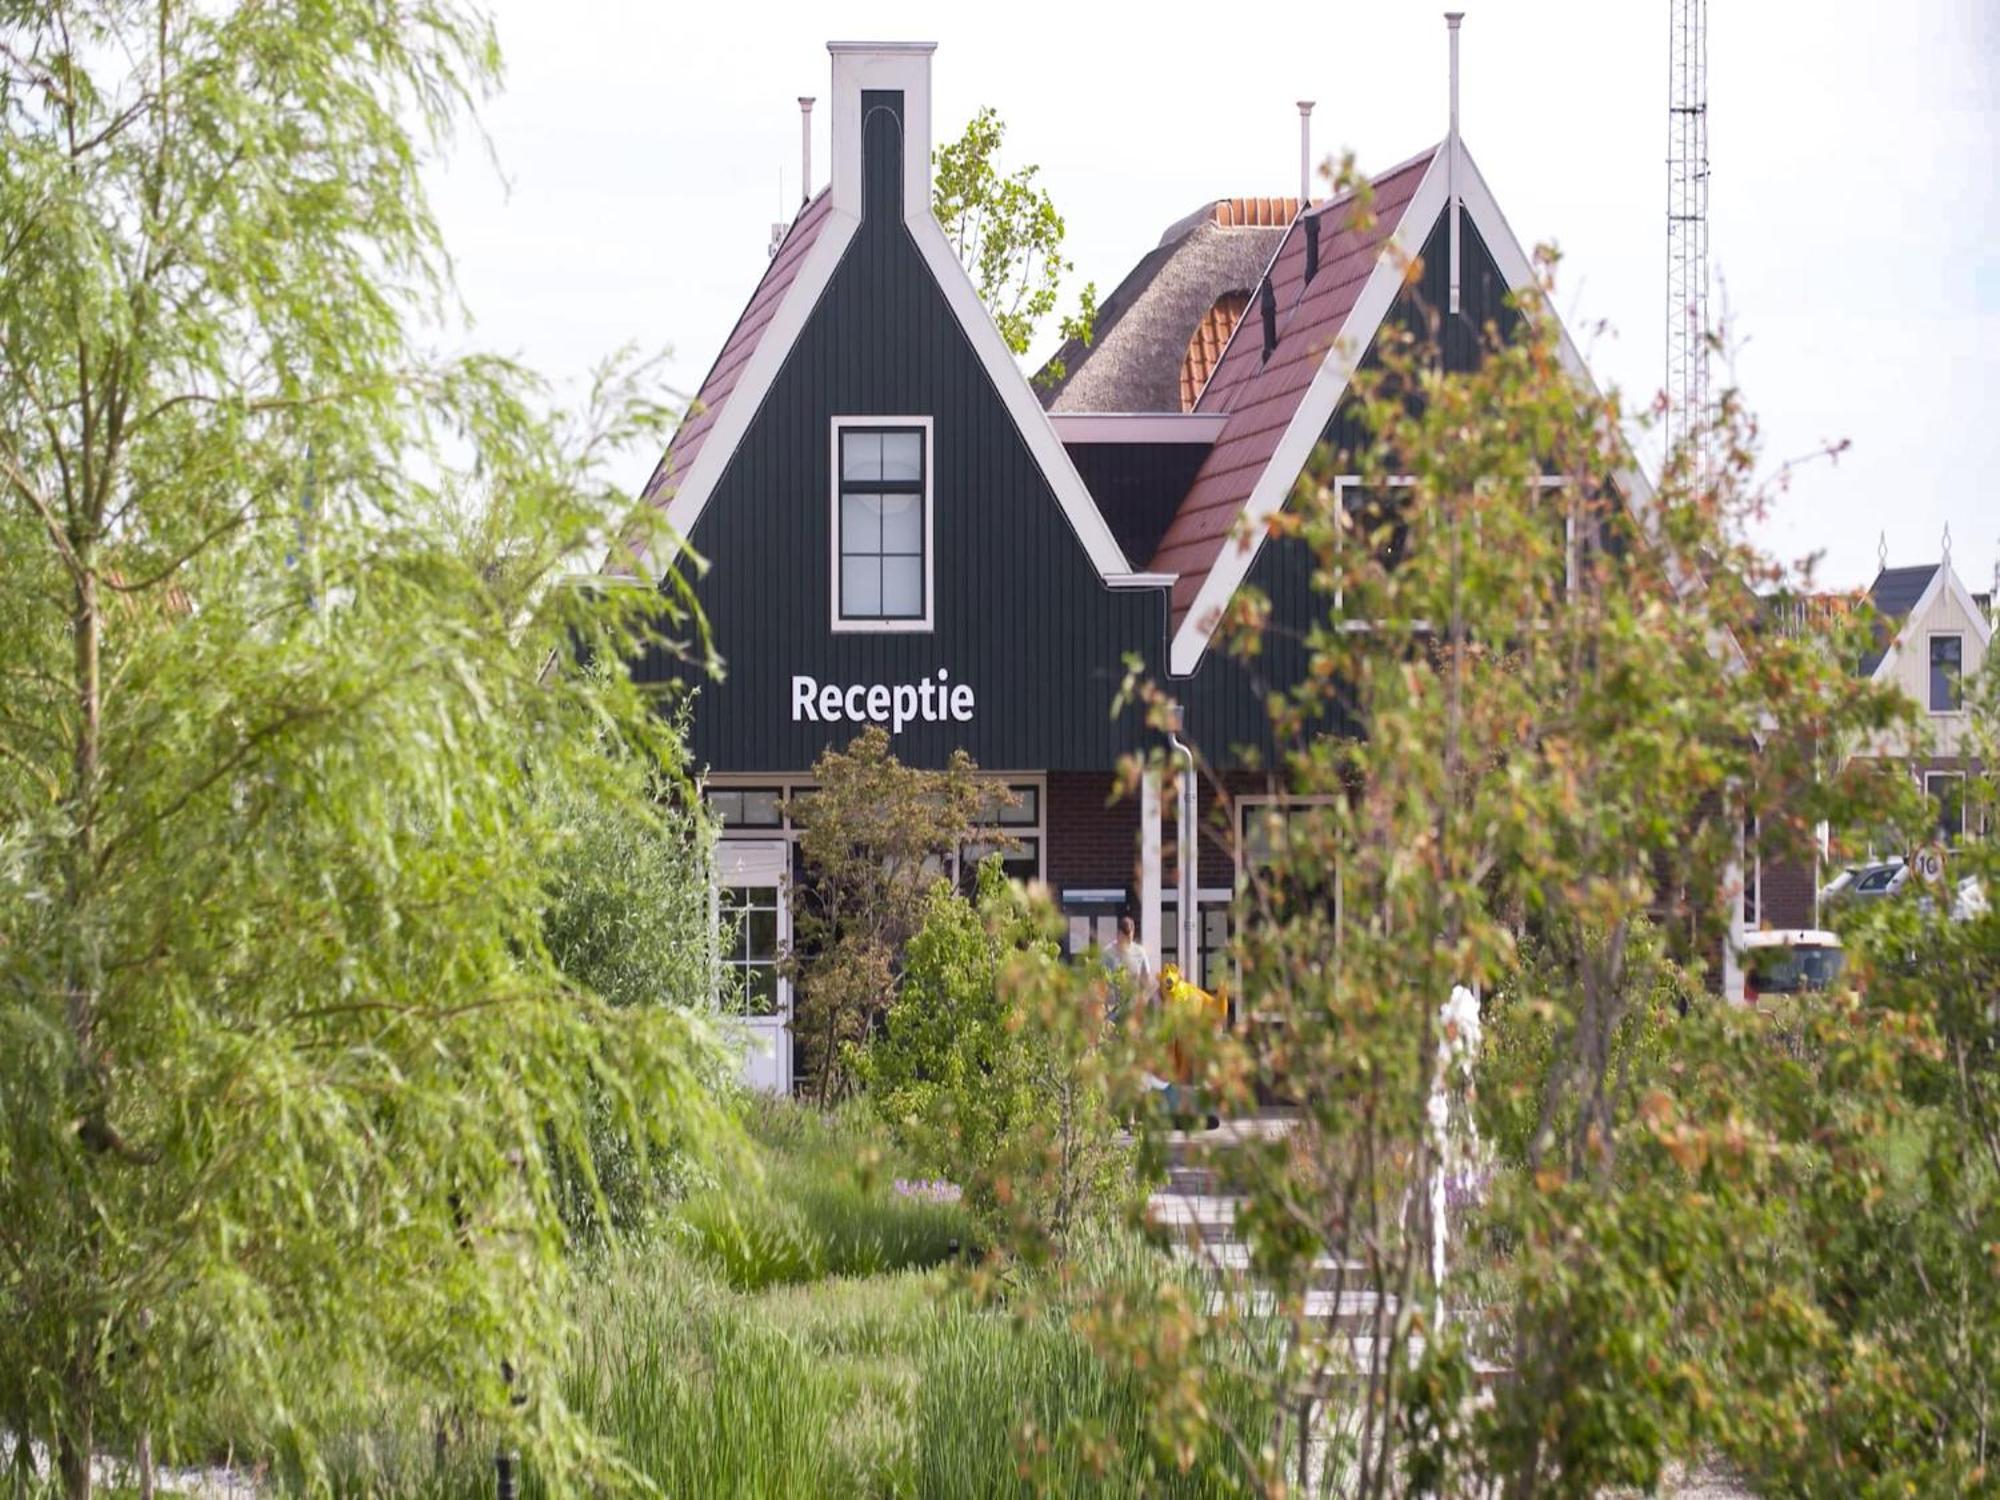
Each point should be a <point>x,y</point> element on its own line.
<point>648,148</point>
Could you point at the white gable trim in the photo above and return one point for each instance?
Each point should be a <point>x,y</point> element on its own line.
<point>1289,461</point>
<point>1302,434</point>
<point>746,398</point>
<point>904,66</point>
<point>1944,580</point>
<point>1012,387</point>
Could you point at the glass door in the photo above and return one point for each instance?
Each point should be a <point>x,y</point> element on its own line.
<point>754,927</point>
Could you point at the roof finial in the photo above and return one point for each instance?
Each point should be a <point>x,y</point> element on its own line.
<point>1947,542</point>
<point>1882,551</point>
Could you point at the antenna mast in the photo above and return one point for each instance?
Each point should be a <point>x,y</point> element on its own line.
<point>1687,222</point>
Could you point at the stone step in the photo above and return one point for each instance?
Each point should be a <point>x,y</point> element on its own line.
<point>1200,1215</point>
<point>1349,1312</point>
<point>1230,1259</point>
<point>1199,1147</point>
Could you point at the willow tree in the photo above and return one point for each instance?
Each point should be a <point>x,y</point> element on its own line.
<point>281,1046</point>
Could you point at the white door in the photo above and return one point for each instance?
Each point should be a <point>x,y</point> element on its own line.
<point>755,919</point>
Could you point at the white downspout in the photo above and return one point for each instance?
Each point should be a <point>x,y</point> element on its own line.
<point>1189,920</point>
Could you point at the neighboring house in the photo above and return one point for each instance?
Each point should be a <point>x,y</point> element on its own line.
<point>1933,642</point>
<point>897,532</point>
<point>1158,336</point>
<point>1932,634</point>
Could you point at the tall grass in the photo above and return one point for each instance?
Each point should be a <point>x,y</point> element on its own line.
<point>789,1344</point>
<point>825,1206</point>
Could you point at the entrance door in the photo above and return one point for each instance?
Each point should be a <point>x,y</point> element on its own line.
<point>756,924</point>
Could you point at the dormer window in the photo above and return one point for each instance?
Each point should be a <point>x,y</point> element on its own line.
<point>882,523</point>
<point>1947,674</point>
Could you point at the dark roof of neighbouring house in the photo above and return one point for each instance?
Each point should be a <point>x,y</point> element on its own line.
<point>1893,594</point>
<point>1145,328</point>
<point>1260,396</point>
<point>738,348</point>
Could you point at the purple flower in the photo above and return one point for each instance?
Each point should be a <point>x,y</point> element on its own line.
<point>938,1191</point>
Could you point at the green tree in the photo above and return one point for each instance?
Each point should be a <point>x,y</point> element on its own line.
<point>629,919</point>
<point>1565,728</point>
<point>281,1038</point>
<point>1008,233</point>
<point>987,1065</point>
<point>876,835</point>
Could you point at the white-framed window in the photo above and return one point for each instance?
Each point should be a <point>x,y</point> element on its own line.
<point>1947,673</point>
<point>882,512</point>
<point>1211,960</point>
<point>1946,791</point>
<point>1015,829</point>
<point>753,807</point>
<point>748,919</point>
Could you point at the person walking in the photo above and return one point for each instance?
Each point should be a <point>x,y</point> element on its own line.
<point>1132,978</point>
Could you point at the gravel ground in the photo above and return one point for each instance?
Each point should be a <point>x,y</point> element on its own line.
<point>1708,1481</point>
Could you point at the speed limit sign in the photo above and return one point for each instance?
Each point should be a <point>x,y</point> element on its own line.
<point>1929,864</point>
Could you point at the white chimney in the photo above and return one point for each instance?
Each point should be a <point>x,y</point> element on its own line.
<point>1305,153</point>
<point>903,67</point>
<point>805,148</point>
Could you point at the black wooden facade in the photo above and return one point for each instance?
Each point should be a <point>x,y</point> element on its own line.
<point>1021,615</point>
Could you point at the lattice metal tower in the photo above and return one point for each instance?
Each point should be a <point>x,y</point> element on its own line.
<point>1687,220</point>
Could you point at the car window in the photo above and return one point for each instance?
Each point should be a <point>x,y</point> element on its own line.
<point>1876,880</point>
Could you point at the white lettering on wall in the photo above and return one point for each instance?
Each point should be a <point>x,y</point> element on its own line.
<point>929,701</point>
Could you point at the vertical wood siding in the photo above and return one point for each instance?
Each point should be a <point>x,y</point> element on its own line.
<point>1020,615</point>
<point>1226,700</point>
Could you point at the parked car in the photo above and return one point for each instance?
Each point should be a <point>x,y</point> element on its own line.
<point>1870,882</point>
<point>1790,961</point>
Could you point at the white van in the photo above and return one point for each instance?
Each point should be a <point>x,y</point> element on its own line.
<point>1790,961</point>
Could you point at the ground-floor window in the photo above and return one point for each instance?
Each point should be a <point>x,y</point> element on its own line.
<point>1946,790</point>
<point>749,915</point>
<point>1010,826</point>
<point>1210,968</point>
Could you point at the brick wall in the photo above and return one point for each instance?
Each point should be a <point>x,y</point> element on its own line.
<point>1787,888</point>
<point>1090,844</point>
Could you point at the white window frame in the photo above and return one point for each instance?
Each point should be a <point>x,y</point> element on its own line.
<point>1930,638</point>
<point>1036,781</point>
<point>789,787</point>
<point>840,623</point>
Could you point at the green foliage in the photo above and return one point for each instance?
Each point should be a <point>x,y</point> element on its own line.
<point>890,1385</point>
<point>627,920</point>
<point>1565,728</point>
<point>874,834</point>
<point>819,1200</point>
<point>287,694</point>
<point>1008,233</point>
<point>1526,1020</point>
<point>982,1065</point>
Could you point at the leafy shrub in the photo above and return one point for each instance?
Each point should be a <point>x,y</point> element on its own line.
<point>986,1071</point>
<point>1527,1022</point>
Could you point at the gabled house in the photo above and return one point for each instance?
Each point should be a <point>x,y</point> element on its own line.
<point>899,532</point>
<point>1934,634</point>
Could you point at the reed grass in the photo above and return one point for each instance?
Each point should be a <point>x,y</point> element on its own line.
<point>797,1338</point>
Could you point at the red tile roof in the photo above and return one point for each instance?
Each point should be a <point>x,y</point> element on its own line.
<point>738,348</point>
<point>1204,350</point>
<point>1258,213</point>
<point>1260,397</point>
